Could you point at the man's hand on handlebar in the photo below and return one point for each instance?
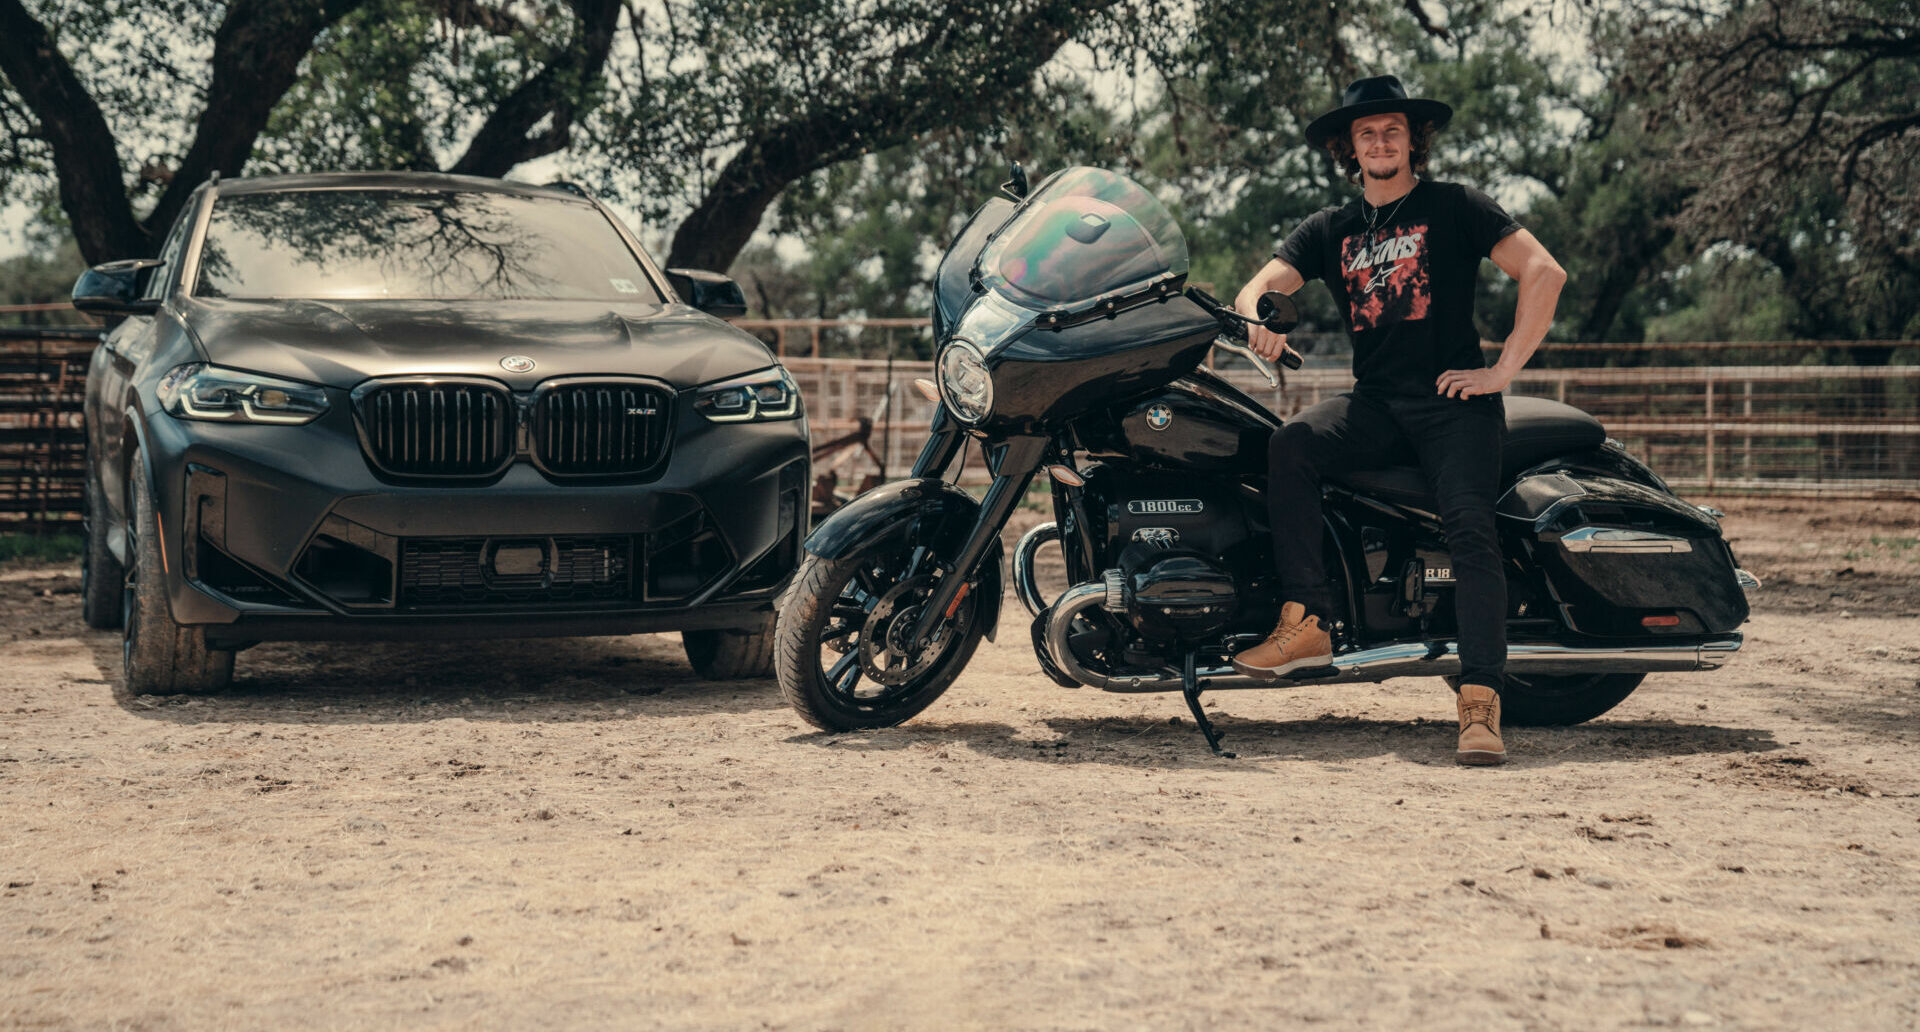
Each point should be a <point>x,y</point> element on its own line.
<point>1264,342</point>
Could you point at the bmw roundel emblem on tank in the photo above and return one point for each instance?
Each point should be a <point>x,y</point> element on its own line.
<point>517,364</point>
<point>1159,417</point>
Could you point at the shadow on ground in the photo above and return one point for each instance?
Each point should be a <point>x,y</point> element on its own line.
<point>1175,742</point>
<point>557,680</point>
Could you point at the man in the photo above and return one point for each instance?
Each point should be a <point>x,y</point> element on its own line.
<point>1400,261</point>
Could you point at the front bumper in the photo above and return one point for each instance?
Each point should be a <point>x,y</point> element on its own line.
<point>287,533</point>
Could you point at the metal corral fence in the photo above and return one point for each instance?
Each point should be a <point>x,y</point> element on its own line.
<point>43,382</point>
<point>1829,429</point>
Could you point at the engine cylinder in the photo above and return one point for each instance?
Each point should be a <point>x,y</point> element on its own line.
<point>1176,597</point>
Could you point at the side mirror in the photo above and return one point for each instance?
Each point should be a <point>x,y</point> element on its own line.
<point>1016,184</point>
<point>1277,312</point>
<point>114,288</point>
<point>710,292</point>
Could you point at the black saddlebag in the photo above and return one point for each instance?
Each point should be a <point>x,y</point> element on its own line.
<point>1622,559</point>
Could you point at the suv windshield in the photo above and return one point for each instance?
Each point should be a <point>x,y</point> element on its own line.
<point>415,244</point>
<point>1087,235</point>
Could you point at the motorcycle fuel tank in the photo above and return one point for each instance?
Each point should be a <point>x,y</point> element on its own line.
<point>1198,423</point>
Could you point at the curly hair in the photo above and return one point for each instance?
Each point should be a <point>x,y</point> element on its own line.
<point>1340,146</point>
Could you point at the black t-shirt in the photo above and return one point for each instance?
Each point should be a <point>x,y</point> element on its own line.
<point>1406,286</point>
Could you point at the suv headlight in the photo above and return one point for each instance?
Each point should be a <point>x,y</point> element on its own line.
<point>965,383</point>
<point>756,397</point>
<point>201,391</point>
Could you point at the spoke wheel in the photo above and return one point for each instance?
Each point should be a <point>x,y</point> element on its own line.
<point>842,649</point>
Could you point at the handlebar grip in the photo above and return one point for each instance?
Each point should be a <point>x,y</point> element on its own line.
<point>1290,358</point>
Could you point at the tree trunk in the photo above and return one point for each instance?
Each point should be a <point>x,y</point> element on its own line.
<point>257,53</point>
<point>556,90</point>
<point>85,162</point>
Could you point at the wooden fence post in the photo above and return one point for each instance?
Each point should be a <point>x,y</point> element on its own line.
<point>1710,429</point>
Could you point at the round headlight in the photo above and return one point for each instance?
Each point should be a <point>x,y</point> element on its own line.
<point>965,384</point>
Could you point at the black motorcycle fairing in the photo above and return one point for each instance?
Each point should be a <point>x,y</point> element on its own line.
<point>925,511</point>
<point>953,282</point>
<point>1042,377</point>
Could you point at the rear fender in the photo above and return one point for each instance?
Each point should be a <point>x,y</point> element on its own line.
<point>926,511</point>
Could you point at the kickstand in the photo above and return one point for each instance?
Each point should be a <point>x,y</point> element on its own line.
<point>1190,686</point>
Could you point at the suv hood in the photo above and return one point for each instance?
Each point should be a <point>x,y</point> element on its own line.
<point>341,343</point>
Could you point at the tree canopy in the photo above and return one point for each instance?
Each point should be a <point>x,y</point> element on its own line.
<point>1729,170</point>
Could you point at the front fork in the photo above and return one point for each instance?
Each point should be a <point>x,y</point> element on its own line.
<point>1012,461</point>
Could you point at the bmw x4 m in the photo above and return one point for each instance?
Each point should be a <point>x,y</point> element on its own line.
<point>415,406</point>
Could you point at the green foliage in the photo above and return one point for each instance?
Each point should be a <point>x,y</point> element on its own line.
<point>51,547</point>
<point>38,277</point>
<point>1736,176</point>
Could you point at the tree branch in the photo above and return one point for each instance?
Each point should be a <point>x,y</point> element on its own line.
<point>557,91</point>
<point>1426,24</point>
<point>886,111</point>
<point>256,57</point>
<point>85,160</point>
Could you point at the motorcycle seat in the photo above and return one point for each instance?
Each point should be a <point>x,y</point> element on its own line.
<point>1537,430</point>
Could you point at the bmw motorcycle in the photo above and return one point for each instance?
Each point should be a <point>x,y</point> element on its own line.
<point>1071,347</point>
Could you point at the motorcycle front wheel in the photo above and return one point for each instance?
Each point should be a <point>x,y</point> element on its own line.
<point>840,649</point>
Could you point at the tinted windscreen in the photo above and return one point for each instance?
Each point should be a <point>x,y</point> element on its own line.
<point>1086,234</point>
<point>370,244</point>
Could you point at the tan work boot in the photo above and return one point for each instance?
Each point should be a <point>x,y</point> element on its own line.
<point>1299,643</point>
<point>1480,744</point>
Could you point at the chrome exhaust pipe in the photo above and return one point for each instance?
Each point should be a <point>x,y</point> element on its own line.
<point>1026,580</point>
<point>1407,659</point>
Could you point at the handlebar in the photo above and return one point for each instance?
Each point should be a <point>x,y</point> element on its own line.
<point>1279,316</point>
<point>1265,367</point>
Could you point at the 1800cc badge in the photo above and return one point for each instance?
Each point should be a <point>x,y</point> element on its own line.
<point>1166,506</point>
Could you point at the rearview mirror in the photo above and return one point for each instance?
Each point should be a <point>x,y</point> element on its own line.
<point>710,292</point>
<point>114,288</point>
<point>1277,312</point>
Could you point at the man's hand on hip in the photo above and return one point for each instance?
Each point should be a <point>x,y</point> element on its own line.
<point>1471,383</point>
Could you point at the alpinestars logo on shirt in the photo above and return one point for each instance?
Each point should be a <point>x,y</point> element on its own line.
<point>1388,282</point>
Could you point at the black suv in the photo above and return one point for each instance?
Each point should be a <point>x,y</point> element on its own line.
<point>417,406</point>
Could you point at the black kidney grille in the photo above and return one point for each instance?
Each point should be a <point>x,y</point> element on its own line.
<point>601,429</point>
<point>456,573</point>
<point>437,429</point>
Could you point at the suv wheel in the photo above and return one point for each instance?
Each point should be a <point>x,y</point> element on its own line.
<point>159,655</point>
<point>729,655</point>
<point>101,575</point>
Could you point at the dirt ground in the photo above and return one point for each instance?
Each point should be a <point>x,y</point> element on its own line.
<point>579,834</point>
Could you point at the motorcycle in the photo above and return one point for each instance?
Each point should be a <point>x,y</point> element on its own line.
<point>1069,343</point>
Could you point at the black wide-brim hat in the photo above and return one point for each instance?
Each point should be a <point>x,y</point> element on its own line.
<point>1378,95</point>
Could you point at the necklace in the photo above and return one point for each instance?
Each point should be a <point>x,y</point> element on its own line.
<point>1375,220</point>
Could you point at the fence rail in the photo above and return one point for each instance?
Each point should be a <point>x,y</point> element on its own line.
<point>1834,430</point>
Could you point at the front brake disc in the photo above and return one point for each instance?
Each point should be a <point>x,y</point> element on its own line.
<point>885,653</point>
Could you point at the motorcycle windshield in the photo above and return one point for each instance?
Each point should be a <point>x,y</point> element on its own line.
<point>1088,235</point>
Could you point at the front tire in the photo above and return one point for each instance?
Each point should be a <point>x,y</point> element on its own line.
<point>729,655</point>
<point>159,655</point>
<point>839,623</point>
<point>1541,700</point>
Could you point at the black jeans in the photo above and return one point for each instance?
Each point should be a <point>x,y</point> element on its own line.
<point>1456,444</point>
